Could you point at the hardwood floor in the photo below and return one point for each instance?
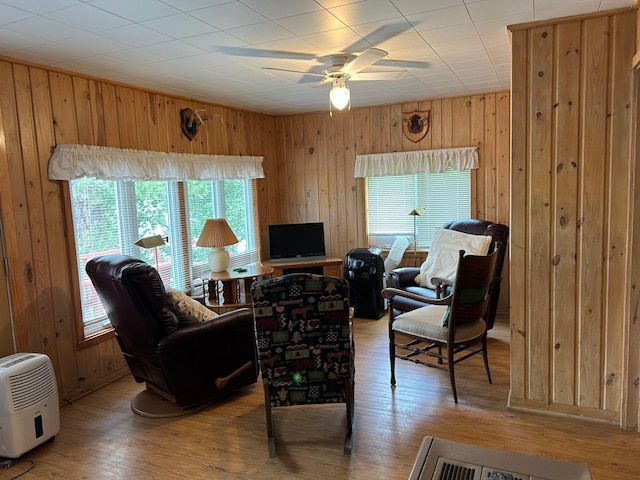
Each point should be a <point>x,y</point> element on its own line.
<point>100,438</point>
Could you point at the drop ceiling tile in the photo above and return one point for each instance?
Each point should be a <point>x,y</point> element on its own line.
<point>309,23</point>
<point>337,41</point>
<point>474,46</point>
<point>215,41</point>
<point>9,14</point>
<point>87,45</point>
<point>38,7</point>
<point>18,42</point>
<point>409,7</point>
<point>491,9</point>
<point>87,17</point>
<point>45,28</point>
<point>179,26</point>
<point>136,11</point>
<point>377,32</point>
<point>275,9</point>
<point>137,56</point>
<point>260,33</point>
<point>366,11</point>
<point>461,56</point>
<point>135,35</point>
<point>190,5</point>
<point>560,10</point>
<point>444,17</point>
<point>228,15</point>
<point>171,50</point>
<point>405,41</point>
<point>94,64</point>
<point>454,33</point>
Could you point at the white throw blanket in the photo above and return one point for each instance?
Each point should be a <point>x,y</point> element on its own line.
<point>444,254</point>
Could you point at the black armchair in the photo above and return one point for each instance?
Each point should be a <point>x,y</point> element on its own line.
<point>188,365</point>
<point>404,278</point>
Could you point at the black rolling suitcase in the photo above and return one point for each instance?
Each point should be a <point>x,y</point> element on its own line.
<point>364,270</point>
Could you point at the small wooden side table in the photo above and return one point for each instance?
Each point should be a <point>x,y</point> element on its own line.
<point>229,290</point>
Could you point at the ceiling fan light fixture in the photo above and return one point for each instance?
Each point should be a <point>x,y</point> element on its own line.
<point>339,94</point>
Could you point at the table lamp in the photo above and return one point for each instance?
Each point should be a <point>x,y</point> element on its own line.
<point>416,212</point>
<point>217,234</point>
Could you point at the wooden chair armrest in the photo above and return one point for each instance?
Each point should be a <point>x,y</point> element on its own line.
<point>389,293</point>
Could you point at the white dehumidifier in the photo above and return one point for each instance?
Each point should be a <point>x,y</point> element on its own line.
<point>29,408</point>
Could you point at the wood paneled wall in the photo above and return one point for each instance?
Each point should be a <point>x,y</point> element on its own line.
<point>572,307</point>
<point>319,152</point>
<point>308,162</point>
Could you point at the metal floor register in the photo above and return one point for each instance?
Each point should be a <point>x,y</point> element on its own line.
<point>440,459</point>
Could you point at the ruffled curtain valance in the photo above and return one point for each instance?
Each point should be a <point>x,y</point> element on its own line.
<point>421,161</point>
<point>75,161</point>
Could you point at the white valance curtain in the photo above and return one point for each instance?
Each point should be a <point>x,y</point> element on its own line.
<point>75,161</point>
<point>421,161</point>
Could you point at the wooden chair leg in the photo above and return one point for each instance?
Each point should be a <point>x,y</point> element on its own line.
<point>348,442</point>
<point>392,355</point>
<point>267,408</point>
<point>485,357</point>
<point>450,366</point>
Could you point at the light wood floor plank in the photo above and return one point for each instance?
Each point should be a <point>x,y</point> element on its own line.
<point>101,438</point>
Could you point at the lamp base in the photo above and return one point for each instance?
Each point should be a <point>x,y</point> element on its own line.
<point>218,259</point>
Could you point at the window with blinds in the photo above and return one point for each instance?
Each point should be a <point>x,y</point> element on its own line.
<point>445,196</point>
<point>110,216</point>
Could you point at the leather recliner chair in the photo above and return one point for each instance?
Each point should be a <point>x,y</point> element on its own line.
<point>404,277</point>
<point>189,365</point>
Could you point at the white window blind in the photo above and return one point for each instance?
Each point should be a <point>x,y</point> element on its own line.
<point>445,196</point>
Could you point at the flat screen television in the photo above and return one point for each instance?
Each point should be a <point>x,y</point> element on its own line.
<point>295,241</point>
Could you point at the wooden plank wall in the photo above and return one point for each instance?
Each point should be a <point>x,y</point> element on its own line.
<point>571,207</point>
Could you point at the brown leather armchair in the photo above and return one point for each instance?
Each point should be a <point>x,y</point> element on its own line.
<point>404,278</point>
<point>189,365</point>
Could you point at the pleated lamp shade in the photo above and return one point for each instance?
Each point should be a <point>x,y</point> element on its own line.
<point>217,234</point>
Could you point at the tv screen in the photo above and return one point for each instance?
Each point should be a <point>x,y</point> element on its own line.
<point>296,240</point>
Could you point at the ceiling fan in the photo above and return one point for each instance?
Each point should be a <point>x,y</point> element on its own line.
<point>344,68</point>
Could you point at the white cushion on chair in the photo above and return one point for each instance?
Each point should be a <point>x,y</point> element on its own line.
<point>444,254</point>
<point>426,322</point>
<point>395,254</point>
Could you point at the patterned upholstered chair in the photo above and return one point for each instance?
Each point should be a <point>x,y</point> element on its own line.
<point>304,334</point>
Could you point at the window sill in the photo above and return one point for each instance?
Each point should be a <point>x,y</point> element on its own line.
<point>96,338</point>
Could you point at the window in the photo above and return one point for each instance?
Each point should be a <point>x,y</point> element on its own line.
<point>109,216</point>
<point>445,196</point>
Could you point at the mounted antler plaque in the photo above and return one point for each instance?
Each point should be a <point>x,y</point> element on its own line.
<point>415,125</point>
<point>188,123</point>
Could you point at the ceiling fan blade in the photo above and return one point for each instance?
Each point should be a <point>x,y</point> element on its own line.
<point>362,61</point>
<point>403,63</point>
<point>388,75</point>
<point>322,83</point>
<point>293,71</point>
<point>258,53</point>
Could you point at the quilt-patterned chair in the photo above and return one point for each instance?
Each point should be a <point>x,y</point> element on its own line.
<point>305,344</point>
